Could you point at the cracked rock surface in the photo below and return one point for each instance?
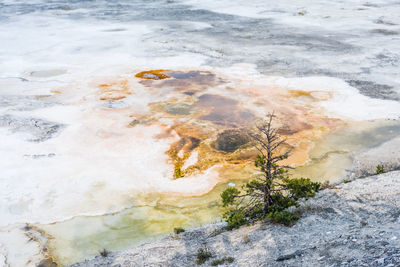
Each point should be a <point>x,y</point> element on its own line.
<point>37,130</point>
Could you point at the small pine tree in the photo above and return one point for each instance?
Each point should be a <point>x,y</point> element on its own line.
<point>273,191</point>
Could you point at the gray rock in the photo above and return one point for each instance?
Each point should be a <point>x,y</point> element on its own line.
<point>293,255</point>
<point>37,130</point>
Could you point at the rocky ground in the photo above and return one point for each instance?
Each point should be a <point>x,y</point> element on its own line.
<point>386,154</point>
<point>353,224</point>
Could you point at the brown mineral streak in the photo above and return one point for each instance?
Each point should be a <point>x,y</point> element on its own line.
<point>48,259</point>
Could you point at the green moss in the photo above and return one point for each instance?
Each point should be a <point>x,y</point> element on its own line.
<point>178,163</point>
<point>178,230</point>
<point>230,259</point>
<point>380,169</point>
<point>178,172</point>
<point>203,254</point>
<point>222,261</point>
<point>285,217</point>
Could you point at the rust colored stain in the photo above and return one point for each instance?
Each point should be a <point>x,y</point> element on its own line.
<point>186,144</point>
<point>114,90</point>
<point>299,93</point>
<point>153,75</point>
<point>314,95</point>
<point>112,96</point>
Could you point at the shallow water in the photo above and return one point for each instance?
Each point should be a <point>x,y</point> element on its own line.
<point>332,155</point>
<point>224,111</point>
<point>84,237</point>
